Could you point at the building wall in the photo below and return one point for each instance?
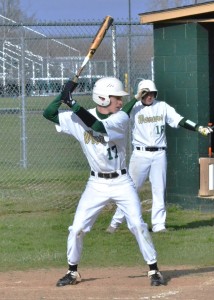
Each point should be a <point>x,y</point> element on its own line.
<point>182,74</point>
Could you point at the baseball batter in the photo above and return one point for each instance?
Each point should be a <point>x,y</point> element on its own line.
<point>149,118</point>
<point>101,132</point>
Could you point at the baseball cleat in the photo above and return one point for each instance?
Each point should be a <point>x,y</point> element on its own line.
<point>156,278</point>
<point>111,229</point>
<point>70,277</point>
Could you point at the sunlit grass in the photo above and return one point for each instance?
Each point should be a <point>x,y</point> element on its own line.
<point>38,240</point>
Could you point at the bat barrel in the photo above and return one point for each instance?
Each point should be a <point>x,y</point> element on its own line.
<point>107,22</point>
<point>100,35</point>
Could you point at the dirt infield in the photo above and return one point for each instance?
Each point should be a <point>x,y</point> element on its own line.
<point>183,283</point>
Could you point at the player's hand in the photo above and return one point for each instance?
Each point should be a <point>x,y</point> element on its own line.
<point>66,95</point>
<point>205,130</point>
<point>69,101</point>
<point>141,94</point>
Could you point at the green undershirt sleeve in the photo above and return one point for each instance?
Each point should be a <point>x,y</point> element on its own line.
<point>51,112</point>
<point>88,119</point>
<point>92,121</point>
<point>187,124</point>
<point>99,127</point>
<point>128,106</point>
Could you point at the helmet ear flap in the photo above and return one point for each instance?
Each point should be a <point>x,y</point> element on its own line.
<point>104,101</point>
<point>101,100</point>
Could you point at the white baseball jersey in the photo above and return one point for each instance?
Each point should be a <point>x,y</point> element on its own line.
<point>104,152</point>
<point>148,130</point>
<point>149,123</point>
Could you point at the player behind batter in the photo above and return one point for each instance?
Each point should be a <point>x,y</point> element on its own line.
<point>101,132</point>
<point>149,118</point>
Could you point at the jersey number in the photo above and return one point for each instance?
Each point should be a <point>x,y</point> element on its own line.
<point>112,152</point>
<point>160,129</point>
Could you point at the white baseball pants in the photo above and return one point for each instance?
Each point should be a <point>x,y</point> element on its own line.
<point>152,165</point>
<point>98,193</point>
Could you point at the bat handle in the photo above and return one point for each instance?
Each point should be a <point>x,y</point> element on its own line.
<point>68,88</point>
<point>74,84</point>
<point>210,141</point>
<point>78,74</point>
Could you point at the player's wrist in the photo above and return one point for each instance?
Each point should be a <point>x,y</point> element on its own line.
<point>71,102</point>
<point>197,127</point>
<point>75,107</point>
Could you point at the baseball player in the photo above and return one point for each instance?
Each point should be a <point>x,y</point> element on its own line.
<point>149,118</point>
<point>101,132</point>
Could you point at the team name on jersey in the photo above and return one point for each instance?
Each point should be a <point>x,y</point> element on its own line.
<point>89,137</point>
<point>142,119</point>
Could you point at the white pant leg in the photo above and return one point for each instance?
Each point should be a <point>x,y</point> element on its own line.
<point>129,202</point>
<point>139,170</point>
<point>89,207</point>
<point>158,185</point>
<point>154,165</point>
<point>117,218</point>
<point>139,167</point>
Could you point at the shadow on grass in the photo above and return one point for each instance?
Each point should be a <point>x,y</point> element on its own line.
<point>192,225</point>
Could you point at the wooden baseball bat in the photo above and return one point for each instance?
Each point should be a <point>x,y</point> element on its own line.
<point>210,142</point>
<point>107,22</point>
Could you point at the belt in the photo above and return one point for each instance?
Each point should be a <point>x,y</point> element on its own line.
<point>109,175</point>
<point>151,148</point>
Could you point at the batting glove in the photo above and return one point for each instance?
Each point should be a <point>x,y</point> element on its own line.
<point>205,130</point>
<point>66,95</point>
<point>69,101</point>
<point>141,94</point>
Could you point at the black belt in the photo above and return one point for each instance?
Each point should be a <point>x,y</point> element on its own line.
<point>109,175</point>
<point>151,148</point>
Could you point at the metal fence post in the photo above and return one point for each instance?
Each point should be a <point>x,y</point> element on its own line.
<point>114,51</point>
<point>23,108</point>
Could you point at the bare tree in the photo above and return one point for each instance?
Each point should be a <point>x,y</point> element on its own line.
<point>11,9</point>
<point>10,15</point>
<point>155,5</point>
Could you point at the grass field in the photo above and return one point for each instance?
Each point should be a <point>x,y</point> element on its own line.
<point>55,170</point>
<point>38,240</point>
<point>37,204</point>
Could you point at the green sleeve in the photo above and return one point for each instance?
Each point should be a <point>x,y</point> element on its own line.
<point>99,127</point>
<point>51,112</point>
<point>91,121</point>
<point>88,119</point>
<point>187,124</point>
<point>129,105</point>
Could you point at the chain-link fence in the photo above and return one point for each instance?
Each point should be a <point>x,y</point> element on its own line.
<point>41,169</point>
